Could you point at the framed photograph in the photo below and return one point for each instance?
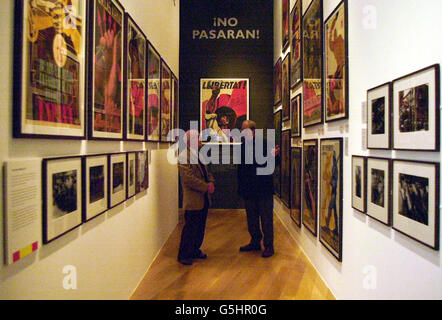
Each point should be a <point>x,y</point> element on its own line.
<point>154,94</point>
<point>166,106</point>
<point>277,82</point>
<point>336,64</point>
<point>416,201</point>
<point>379,189</point>
<point>49,69</point>
<point>296,116</point>
<point>312,64</point>
<point>175,103</point>
<point>142,171</point>
<point>286,147</point>
<point>135,84</point>
<point>117,179</point>
<point>62,196</point>
<point>277,173</point>
<point>359,183</point>
<point>416,101</point>
<point>286,88</point>
<point>131,174</point>
<point>285,24</point>
<point>95,172</point>
<point>310,162</point>
<point>379,117</point>
<point>296,185</point>
<point>224,107</point>
<point>296,44</point>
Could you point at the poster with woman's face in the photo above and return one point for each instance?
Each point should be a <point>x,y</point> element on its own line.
<point>154,95</point>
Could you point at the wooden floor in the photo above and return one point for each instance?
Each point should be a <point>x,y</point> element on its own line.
<point>228,274</point>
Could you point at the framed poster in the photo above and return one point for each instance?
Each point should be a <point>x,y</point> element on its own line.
<point>154,94</point>
<point>416,201</point>
<point>379,189</point>
<point>135,84</point>
<point>310,162</point>
<point>62,196</point>
<point>330,213</point>
<point>175,103</point>
<point>296,185</point>
<point>142,171</point>
<point>296,116</point>
<point>296,44</point>
<point>286,145</point>
<point>416,101</point>
<point>106,98</point>
<point>286,88</point>
<point>277,173</point>
<point>166,106</point>
<point>336,64</point>
<point>277,82</point>
<point>379,117</point>
<point>285,24</point>
<point>95,171</point>
<point>359,183</point>
<point>49,69</point>
<point>117,179</point>
<point>224,107</point>
<point>131,174</point>
<point>312,64</point>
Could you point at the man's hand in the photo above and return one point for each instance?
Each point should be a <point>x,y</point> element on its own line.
<point>211,188</point>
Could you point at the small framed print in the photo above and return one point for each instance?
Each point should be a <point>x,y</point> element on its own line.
<point>416,201</point>
<point>176,105</point>
<point>296,116</point>
<point>379,117</point>
<point>359,179</point>
<point>95,171</point>
<point>277,173</point>
<point>296,44</point>
<point>285,24</point>
<point>310,160</point>
<point>154,94</point>
<point>286,88</point>
<point>142,171</point>
<point>117,179</point>
<point>285,167</point>
<point>416,102</point>
<point>166,107</point>
<point>379,189</point>
<point>62,196</point>
<point>277,83</point>
<point>296,187</point>
<point>131,174</point>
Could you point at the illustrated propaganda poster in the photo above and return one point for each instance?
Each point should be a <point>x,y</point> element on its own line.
<point>296,44</point>
<point>296,185</point>
<point>277,82</point>
<point>166,106</point>
<point>136,82</point>
<point>336,67</point>
<point>330,214</point>
<point>277,173</point>
<point>312,64</point>
<point>285,167</point>
<point>107,64</point>
<point>285,23</point>
<point>296,116</point>
<point>51,63</point>
<point>224,107</point>
<point>286,88</point>
<point>310,172</point>
<point>154,95</point>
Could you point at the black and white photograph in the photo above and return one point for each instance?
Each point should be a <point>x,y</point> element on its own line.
<point>64,188</point>
<point>142,171</point>
<point>378,189</point>
<point>379,117</point>
<point>359,183</point>
<point>96,184</point>
<point>117,179</point>
<point>96,190</point>
<point>131,174</point>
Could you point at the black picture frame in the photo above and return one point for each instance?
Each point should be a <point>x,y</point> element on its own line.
<point>154,94</point>
<point>386,217</point>
<point>359,183</point>
<point>93,209</point>
<point>176,104</point>
<point>286,146</point>
<point>277,82</point>
<point>116,198</point>
<point>296,115</point>
<point>294,39</point>
<point>285,23</point>
<point>296,186</point>
<point>277,120</point>
<point>166,118</point>
<point>373,94</point>
<point>131,173</point>
<point>310,173</point>
<point>142,166</point>
<point>286,88</point>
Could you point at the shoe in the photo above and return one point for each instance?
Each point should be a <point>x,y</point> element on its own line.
<point>199,255</point>
<point>250,247</point>
<point>186,262</point>
<point>268,252</point>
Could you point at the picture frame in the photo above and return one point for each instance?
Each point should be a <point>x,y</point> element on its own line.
<point>379,189</point>
<point>154,94</point>
<point>312,55</point>
<point>359,183</point>
<point>416,201</point>
<point>379,102</point>
<point>286,88</point>
<point>117,189</point>
<point>166,102</point>
<point>95,186</point>
<point>277,82</point>
<point>142,171</point>
<point>285,24</point>
<point>62,196</point>
<point>296,185</point>
<point>336,82</point>
<point>135,73</point>
<point>310,164</point>
<point>176,104</point>
<point>131,176</point>
<point>295,118</point>
<point>331,196</point>
<point>416,114</point>
<point>296,44</point>
<point>278,140</point>
<point>45,49</point>
<point>286,145</point>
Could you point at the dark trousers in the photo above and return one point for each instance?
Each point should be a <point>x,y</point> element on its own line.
<point>194,229</point>
<point>260,215</point>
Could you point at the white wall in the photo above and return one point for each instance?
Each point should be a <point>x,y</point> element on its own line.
<point>112,252</point>
<point>406,38</point>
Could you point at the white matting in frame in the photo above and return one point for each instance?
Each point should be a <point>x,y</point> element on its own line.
<point>117,179</point>
<point>359,183</point>
<point>378,189</point>
<point>378,117</point>
<point>96,186</point>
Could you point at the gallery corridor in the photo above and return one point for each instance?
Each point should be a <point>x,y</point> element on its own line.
<point>228,274</point>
